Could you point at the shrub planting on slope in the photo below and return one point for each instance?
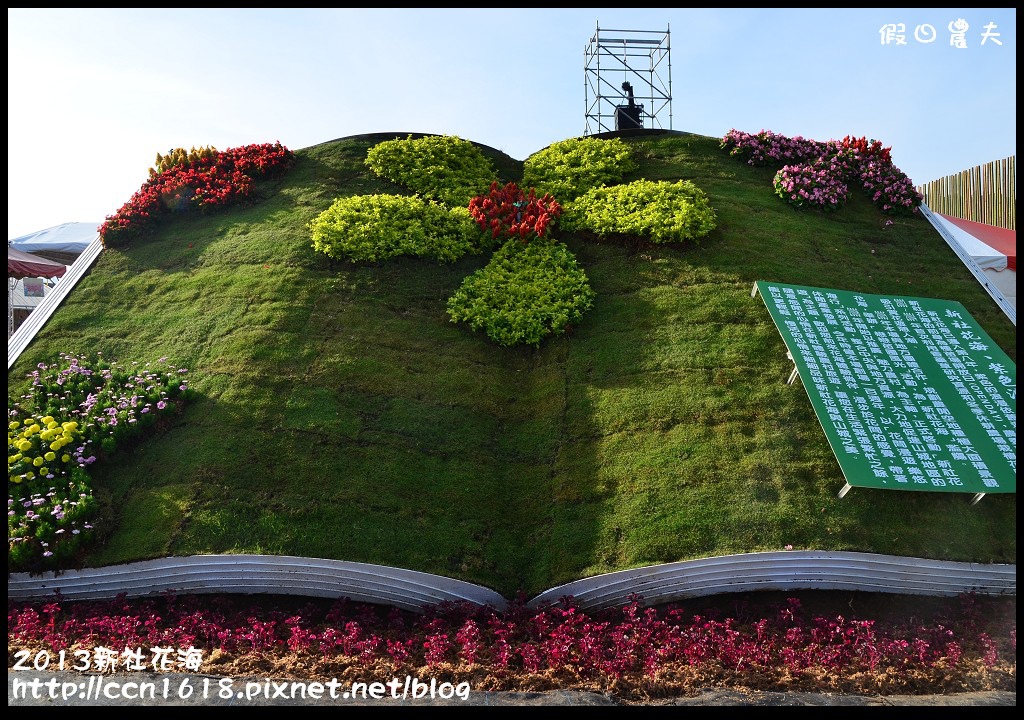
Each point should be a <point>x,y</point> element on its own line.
<point>525,293</point>
<point>660,211</point>
<point>439,167</point>
<point>569,168</point>
<point>380,227</point>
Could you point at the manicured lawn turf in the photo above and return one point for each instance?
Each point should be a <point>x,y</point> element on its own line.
<point>340,414</point>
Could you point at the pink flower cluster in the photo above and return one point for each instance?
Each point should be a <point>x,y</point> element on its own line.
<point>216,181</point>
<point>772,149</point>
<point>818,174</point>
<point>816,183</point>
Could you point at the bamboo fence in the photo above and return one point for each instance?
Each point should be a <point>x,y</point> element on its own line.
<point>985,193</point>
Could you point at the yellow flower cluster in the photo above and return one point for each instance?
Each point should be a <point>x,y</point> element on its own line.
<point>37,447</point>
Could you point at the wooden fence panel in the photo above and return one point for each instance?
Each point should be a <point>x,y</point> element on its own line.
<point>985,193</point>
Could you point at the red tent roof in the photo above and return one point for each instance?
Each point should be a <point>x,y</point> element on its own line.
<point>22,264</point>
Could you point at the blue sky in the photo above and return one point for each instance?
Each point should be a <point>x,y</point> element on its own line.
<point>94,94</point>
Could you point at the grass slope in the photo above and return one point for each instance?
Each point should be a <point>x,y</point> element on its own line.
<point>342,415</point>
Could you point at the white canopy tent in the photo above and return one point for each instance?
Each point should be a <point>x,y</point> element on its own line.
<point>61,243</point>
<point>71,238</point>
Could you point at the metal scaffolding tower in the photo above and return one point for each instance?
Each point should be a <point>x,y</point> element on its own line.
<point>615,61</point>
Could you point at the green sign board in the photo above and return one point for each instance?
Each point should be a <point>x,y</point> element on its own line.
<point>911,392</point>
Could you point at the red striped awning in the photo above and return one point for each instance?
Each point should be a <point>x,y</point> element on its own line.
<point>22,264</point>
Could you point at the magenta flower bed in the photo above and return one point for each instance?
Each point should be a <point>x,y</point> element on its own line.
<point>634,645</point>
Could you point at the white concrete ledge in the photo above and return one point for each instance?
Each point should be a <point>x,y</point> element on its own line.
<point>786,570</point>
<point>254,574</point>
<point>1009,307</point>
<point>412,590</point>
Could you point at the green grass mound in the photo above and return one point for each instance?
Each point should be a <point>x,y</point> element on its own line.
<point>336,411</point>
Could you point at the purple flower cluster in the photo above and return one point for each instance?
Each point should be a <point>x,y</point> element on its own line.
<point>49,516</point>
<point>48,525</point>
<point>818,174</point>
<point>110,402</point>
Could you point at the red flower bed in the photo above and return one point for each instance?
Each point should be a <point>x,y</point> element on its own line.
<point>507,212</point>
<point>224,179</point>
